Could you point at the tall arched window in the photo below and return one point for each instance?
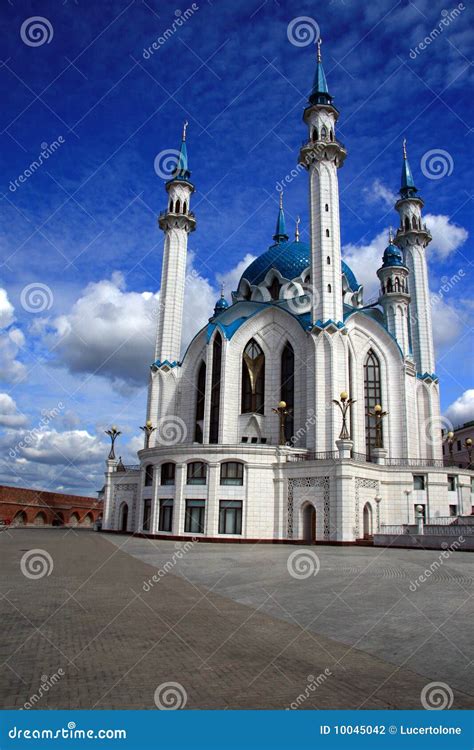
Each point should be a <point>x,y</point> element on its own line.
<point>315,134</point>
<point>274,289</point>
<point>215,389</point>
<point>178,206</point>
<point>373,396</point>
<point>253,379</point>
<point>185,208</point>
<point>200,403</point>
<point>324,132</point>
<point>407,223</point>
<point>287,390</point>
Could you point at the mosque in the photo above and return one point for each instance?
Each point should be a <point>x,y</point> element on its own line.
<point>300,412</point>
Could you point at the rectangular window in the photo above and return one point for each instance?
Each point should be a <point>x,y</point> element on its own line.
<point>453,510</point>
<point>168,473</point>
<point>166,515</point>
<point>146,515</point>
<point>232,472</point>
<point>197,472</point>
<point>418,482</point>
<point>451,484</point>
<point>230,517</point>
<point>458,443</point>
<point>194,521</point>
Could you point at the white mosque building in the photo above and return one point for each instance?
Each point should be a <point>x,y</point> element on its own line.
<point>243,439</point>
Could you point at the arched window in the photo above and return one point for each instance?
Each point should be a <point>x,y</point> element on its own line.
<point>287,389</point>
<point>397,284</point>
<point>373,396</point>
<point>407,223</point>
<point>200,403</point>
<point>185,208</point>
<point>178,206</point>
<point>414,223</point>
<point>148,475</point>
<point>324,132</point>
<point>315,134</point>
<point>215,389</point>
<point>329,288</point>
<point>253,379</point>
<point>331,135</point>
<point>171,206</point>
<point>274,289</point>
<point>168,471</point>
<point>327,232</point>
<point>197,473</point>
<point>328,260</point>
<point>232,473</point>
<point>389,285</point>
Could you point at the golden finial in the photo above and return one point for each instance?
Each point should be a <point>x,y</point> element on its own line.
<point>319,43</point>
<point>184,129</point>
<point>297,229</point>
<point>281,199</point>
<point>404,148</point>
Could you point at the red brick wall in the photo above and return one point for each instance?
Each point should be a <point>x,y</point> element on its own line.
<point>53,508</point>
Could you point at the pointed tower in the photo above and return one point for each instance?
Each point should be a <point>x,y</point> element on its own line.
<point>280,230</point>
<point>322,155</point>
<point>177,221</point>
<point>394,297</point>
<point>412,238</point>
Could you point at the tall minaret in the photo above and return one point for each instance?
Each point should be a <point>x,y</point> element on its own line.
<point>394,296</point>
<point>322,155</point>
<point>176,222</point>
<point>413,237</point>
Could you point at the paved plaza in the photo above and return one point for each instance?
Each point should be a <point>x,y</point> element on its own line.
<point>108,621</point>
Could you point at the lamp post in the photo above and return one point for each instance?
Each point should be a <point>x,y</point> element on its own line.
<point>113,434</point>
<point>148,429</point>
<point>378,500</point>
<point>378,414</point>
<point>283,412</point>
<point>344,404</point>
<point>450,443</point>
<point>468,447</point>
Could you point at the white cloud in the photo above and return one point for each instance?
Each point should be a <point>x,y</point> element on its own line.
<point>446,323</point>
<point>364,261</point>
<point>380,192</point>
<point>11,342</point>
<point>447,237</point>
<point>6,309</point>
<point>462,410</point>
<point>73,446</point>
<point>231,278</point>
<point>9,414</point>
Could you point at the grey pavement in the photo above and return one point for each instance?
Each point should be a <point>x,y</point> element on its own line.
<point>89,618</point>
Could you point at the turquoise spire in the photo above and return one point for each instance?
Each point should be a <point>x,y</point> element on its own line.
<point>320,92</point>
<point>408,189</point>
<point>181,170</point>
<point>280,231</point>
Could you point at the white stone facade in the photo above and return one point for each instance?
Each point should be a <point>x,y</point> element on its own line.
<point>297,331</point>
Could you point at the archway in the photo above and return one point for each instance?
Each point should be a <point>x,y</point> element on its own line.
<point>87,520</point>
<point>309,524</point>
<point>40,519</point>
<point>73,519</point>
<point>124,517</point>
<point>58,519</point>
<point>368,525</point>
<point>20,519</point>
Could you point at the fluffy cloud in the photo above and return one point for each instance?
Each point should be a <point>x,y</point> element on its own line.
<point>75,447</point>
<point>6,310</point>
<point>231,278</point>
<point>447,237</point>
<point>11,341</point>
<point>364,260</point>
<point>380,192</point>
<point>462,410</point>
<point>9,414</point>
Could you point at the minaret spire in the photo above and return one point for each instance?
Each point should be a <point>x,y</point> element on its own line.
<point>280,231</point>
<point>407,189</point>
<point>297,229</point>
<point>320,92</point>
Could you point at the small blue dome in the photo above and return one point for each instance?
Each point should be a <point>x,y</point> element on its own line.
<point>290,259</point>
<point>392,256</point>
<point>221,305</point>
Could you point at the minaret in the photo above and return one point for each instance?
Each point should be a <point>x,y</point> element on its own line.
<point>413,237</point>
<point>394,297</point>
<point>280,230</point>
<point>322,156</point>
<point>177,221</point>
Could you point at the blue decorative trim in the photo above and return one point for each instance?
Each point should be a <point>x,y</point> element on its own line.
<point>428,376</point>
<point>328,323</point>
<point>166,363</point>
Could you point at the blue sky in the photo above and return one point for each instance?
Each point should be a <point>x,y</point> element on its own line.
<point>83,225</point>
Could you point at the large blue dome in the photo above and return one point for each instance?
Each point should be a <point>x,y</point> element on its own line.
<point>290,259</point>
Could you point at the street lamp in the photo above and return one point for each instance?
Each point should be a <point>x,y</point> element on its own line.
<point>468,447</point>
<point>344,404</point>
<point>450,442</point>
<point>113,434</point>
<point>283,412</point>
<point>378,414</point>
<point>148,429</point>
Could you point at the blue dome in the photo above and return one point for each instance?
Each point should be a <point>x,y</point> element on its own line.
<point>290,259</point>
<point>392,256</point>
<point>220,306</point>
